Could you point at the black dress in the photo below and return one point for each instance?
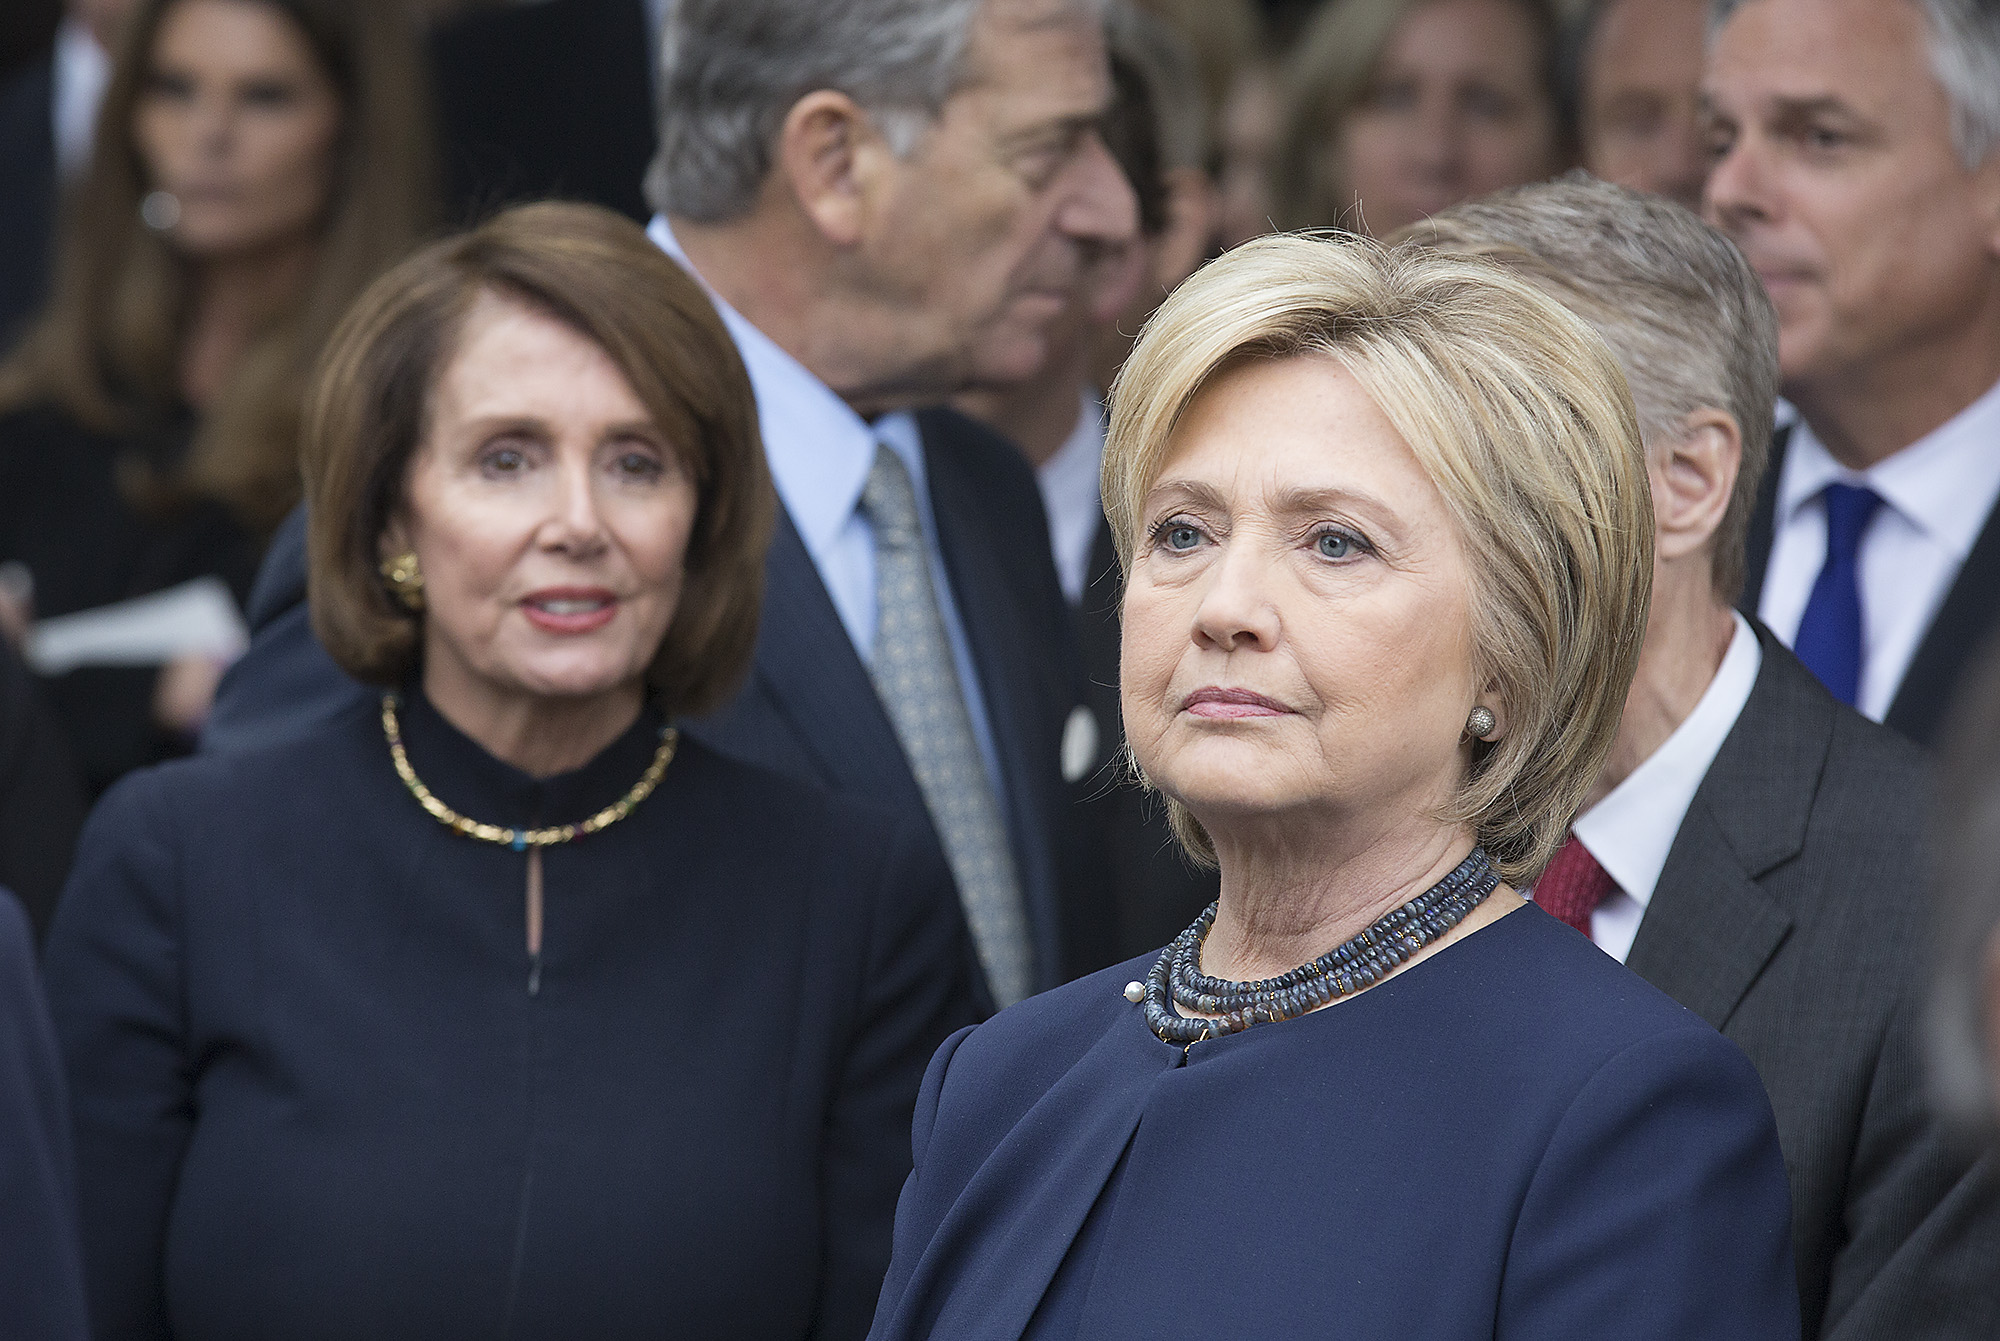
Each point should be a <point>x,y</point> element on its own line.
<point>65,516</point>
<point>323,1091</point>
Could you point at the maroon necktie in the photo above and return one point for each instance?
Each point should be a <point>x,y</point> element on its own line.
<point>1573,885</point>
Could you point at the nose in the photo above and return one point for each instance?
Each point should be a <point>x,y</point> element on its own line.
<point>1098,202</point>
<point>1738,189</point>
<point>575,522</point>
<point>1238,612</point>
<point>213,121</point>
<point>1684,163</point>
<point>1437,140</point>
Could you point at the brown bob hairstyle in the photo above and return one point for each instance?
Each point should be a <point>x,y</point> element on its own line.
<point>367,412</point>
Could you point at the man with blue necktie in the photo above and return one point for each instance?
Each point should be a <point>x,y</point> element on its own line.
<point>1855,163</point>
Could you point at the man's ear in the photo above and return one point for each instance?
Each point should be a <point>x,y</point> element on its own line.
<point>1986,197</point>
<point>1693,480</point>
<point>828,154</point>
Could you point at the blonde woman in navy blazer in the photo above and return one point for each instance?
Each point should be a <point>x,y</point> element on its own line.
<point>1388,547</point>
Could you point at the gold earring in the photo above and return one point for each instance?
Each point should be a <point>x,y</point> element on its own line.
<point>406,581</point>
<point>1481,723</point>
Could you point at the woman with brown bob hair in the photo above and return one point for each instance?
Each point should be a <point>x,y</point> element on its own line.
<point>257,163</point>
<point>497,1007</point>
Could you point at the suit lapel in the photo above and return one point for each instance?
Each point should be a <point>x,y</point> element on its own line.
<point>1965,620</point>
<point>817,681</point>
<point>1018,672</point>
<point>1710,928</point>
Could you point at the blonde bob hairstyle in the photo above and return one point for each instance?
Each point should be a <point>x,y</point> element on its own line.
<point>367,411</point>
<point>1518,413</point>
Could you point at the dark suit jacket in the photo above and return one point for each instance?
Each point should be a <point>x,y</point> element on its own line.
<point>28,204</point>
<point>809,709</point>
<point>552,99</point>
<point>1790,915</point>
<point>1965,621</point>
<point>41,1289</point>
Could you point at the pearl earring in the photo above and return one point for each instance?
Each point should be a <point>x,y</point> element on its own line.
<point>1481,723</point>
<point>160,211</point>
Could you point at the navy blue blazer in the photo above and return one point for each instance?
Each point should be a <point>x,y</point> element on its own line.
<point>1515,1138</point>
<point>323,1090</point>
<point>809,709</point>
<point>41,1282</point>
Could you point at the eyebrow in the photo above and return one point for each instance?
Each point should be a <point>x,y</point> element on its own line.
<point>1805,109</point>
<point>1288,502</point>
<point>1795,109</point>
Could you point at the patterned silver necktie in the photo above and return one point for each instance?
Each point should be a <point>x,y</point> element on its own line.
<point>917,679</point>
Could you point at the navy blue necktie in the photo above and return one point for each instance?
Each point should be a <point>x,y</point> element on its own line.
<point>1829,639</point>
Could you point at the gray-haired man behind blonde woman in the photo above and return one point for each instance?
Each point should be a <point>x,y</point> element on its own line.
<point>1753,846</point>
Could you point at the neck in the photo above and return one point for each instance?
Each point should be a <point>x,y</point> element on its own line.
<point>1868,414</point>
<point>1285,904</point>
<point>542,736</point>
<point>1037,416</point>
<point>233,299</point>
<point>801,308</point>
<point>1688,632</point>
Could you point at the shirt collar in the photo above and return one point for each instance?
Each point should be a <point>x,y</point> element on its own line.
<point>819,449</point>
<point>1943,484</point>
<point>1633,828</point>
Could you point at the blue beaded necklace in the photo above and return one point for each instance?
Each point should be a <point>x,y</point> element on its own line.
<point>1357,963</point>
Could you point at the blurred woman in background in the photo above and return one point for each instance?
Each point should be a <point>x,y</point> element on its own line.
<point>258,161</point>
<point>1396,109</point>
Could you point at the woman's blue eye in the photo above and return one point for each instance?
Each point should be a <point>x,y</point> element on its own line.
<point>1334,545</point>
<point>1182,537</point>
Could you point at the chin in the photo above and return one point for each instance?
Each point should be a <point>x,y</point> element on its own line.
<point>579,679</point>
<point>1006,362</point>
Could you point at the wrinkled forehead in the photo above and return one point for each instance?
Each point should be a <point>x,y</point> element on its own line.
<point>1050,49</point>
<point>1871,55</point>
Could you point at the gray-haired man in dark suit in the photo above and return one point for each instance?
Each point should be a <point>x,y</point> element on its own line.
<point>1753,846</point>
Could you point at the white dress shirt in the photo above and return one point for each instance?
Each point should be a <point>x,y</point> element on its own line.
<point>1936,495</point>
<point>1069,484</point>
<point>1633,828</point>
<point>820,452</point>
<point>80,71</point>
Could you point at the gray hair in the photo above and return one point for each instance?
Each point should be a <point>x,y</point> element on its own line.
<point>730,71</point>
<point>1683,311</point>
<point>1965,57</point>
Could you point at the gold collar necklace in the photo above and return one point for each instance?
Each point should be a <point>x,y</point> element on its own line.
<point>523,839</point>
